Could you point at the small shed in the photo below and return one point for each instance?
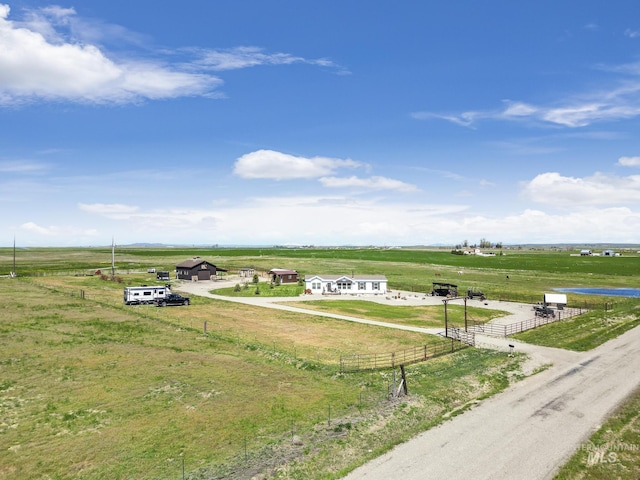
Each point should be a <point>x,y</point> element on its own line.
<point>280,275</point>
<point>247,272</point>
<point>196,269</point>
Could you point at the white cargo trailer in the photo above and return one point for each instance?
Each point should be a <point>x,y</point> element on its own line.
<point>145,294</point>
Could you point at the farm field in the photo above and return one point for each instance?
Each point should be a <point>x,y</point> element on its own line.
<point>612,451</point>
<point>94,389</point>
<point>90,388</point>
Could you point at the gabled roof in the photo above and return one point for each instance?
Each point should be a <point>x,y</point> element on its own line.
<point>352,278</point>
<point>281,271</point>
<point>193,262</point>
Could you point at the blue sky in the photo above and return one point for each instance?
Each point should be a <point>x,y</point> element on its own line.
<point>333,123</point>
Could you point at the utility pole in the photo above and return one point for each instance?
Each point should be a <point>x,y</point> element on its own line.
<point>113,258</point>
<point>13,272</point>
<point>465,314</point>
<point>446,320</point>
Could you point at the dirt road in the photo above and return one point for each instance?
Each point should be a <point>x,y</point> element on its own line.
<point>526,432</point>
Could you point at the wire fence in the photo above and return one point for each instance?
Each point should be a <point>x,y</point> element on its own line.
<point>379,361</point>
<point>528,324</point>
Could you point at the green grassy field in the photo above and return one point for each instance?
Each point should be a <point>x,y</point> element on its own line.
<point>263,289</point>
<point>530,272</point>
<point>95,389</point>
<point>586,331</point>
<point>90,388</point>
<point>417,316</point>
<point>611,452</point>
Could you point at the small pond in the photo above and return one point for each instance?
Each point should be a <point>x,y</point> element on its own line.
<point>612,292</point>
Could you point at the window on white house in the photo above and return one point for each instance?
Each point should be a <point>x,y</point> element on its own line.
<point>376,285</point>
<point>362,286</point>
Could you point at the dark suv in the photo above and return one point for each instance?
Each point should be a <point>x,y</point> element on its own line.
<point>172,299</point>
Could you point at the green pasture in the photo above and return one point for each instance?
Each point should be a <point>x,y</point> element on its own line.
<point>263,289</point>
<point>588,330</point>
<point>611,452</point>
<point>90,388</point>
<point>519,274</point>
<point>416,316</point>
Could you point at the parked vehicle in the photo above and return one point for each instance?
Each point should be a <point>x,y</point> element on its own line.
<point>162,275</point>
<point>172,299</point>
<point>544,311</point>
<point>145,294</point>
<point>472,293</point>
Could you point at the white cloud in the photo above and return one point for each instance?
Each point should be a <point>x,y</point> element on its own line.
<point>245,57</point>
<point>629,161</point>
<point>22,167</point>
<point>341,220</point>
<point>37,64</point>
<point>112,209</point>
<point>53,55</point>
<point>333,220</point>
<point>570,192</point>
<point>632,33</point>
<point>621,101</point>
<point>519,109</point>
<point>282,166</point>
<point>58,231</point>
<point>487,183</point>
<point>374,183</point>
<point>465,119</point>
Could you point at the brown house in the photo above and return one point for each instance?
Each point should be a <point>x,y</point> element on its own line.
<point>279,275</point>
<point>196,269</point>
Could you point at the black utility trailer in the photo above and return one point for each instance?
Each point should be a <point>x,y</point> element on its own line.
<point>444,290</point>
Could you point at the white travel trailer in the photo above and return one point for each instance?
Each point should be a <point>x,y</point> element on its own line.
<point>145,295</point>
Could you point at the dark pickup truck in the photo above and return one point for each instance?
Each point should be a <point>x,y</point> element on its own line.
<point>172,299</point>
<point>544,311</point>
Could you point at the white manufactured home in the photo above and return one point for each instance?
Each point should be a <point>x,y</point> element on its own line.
<point>345,284</point>
<point>145,295</point>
